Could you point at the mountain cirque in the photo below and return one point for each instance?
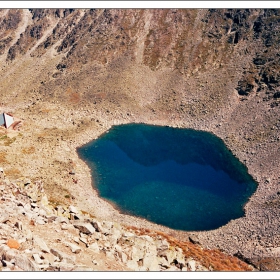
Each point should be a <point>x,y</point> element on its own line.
<point>69,75</point>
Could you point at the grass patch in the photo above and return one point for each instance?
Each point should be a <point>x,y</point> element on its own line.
<point>214,259</point>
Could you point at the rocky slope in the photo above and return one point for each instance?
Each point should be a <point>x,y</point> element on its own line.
<point>69,75</point>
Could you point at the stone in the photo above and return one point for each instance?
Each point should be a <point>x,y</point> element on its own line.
<point>109,255</point>
<point>173,268</point>
<point>62,220</point>
<point>137,253</point>
<point>77,240</point>
<point>42,212</point>
<point>84,240</point>
<point>191,265</point>
<point>37,259</point>
<point>49,258</point>
<point>133,265</point>
<point>94,247</point>
<point>57,254</point>
<point>74,248</point>
<point>163,262</point>
<point>194,239</point>
<point>4,218</point>
<point>29,235</point>
<point>66,267</point>
<point>8,264</point>
<point>39,221</point>
<point>97,226</point>
<point>85,228</point>
<point>170,255</point>
<point>64,257</point>
<point>65,226</point>
<point>73,209</point>
<point>44,200</point>
<point>150,262</point>
<point>122,255</point>
<point>25,264</point>
<point>13,244</point>
<point>27,207</point>
<point>20,260</point>
<point>18,225</point>
<point>41,243</point>
<point>51,219</point>
<point>27,182</point>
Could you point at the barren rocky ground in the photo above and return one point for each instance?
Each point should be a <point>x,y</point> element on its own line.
<point>69,75</point>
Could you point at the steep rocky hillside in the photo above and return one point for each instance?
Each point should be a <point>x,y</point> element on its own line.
<point>68,75</point>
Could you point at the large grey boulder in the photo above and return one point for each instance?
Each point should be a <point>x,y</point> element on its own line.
<point>85,228</point>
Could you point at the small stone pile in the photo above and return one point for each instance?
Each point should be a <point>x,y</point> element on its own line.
<point>37,236</point>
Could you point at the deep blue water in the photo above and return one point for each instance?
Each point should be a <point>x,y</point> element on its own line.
<point>181,178</point>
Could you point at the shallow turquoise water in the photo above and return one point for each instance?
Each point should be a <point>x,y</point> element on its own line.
<point>181,178</point>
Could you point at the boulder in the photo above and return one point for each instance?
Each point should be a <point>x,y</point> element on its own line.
<point>191,265</point>
<point>37,259</point>
<point>73,209</point>
<point>39,220</point>
<point>137,253</point>
<point>85,228</point>
<point>8,264</point>
<point>84,240</point>
<point>194,239</point>
<point>29,235</point>
<point>4,218</point>
<point>109,255</point>
<point>25,264</point>
<point>18,225</point>
<point>97,226</point>
<point>74,248</point>
<point>51,219</point>
<point>94,247</point>
<point>133,265</point>
<point>21,261</point>
<point>41,243</point>
<point>13,244</point>
<point>57,254</point>
<point>150,262</point>
<point>42,212</point>
<point>121,254</point>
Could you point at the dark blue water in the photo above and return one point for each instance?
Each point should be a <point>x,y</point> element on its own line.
<point>181,178</point>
